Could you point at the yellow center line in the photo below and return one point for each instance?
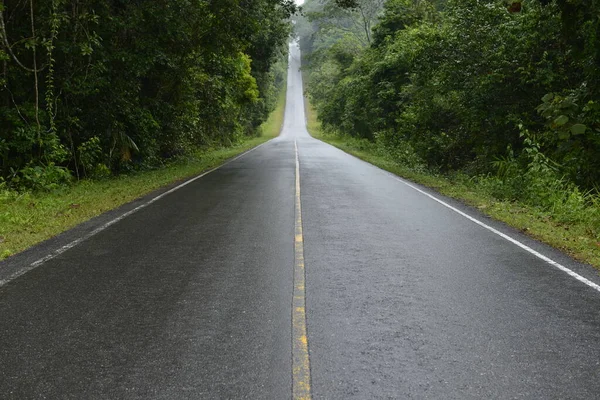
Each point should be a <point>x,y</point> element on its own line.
<point>300,358</point>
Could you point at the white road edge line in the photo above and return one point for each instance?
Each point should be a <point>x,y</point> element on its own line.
<point>505,236</point>
<point>512,240</point>
<point>489,228</point>
<point>75,242</point>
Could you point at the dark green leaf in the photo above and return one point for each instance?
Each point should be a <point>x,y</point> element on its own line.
<point>578,129</point>
<point>561,120</point>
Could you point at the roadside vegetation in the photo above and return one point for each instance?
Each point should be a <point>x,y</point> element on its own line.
<point>491,102</point>
<point>96,88</point>
<point>104,101</point>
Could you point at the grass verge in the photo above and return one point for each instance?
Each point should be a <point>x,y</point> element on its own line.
<point>30,218</point>
<point>575,239</point>
<point>272,126</point>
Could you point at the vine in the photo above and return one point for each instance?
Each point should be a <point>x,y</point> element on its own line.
<point>35,75</point>
<point>50,99</point>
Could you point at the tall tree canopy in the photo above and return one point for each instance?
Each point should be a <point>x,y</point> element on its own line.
<point>90,87</point>
<point>467,85</point>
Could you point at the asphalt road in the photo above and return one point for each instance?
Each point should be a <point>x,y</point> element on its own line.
<point>191,296</point>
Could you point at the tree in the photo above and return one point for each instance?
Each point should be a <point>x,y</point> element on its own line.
<point>91,87</point>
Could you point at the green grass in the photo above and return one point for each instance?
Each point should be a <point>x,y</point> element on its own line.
<point>272,126</point>
<point>29,218</point>
<point>576,239</point>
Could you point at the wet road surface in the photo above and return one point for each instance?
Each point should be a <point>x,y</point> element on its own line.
<point>191,297</point>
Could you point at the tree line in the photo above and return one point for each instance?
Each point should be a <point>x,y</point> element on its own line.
<point>90,88</point>
<point>503,91</point>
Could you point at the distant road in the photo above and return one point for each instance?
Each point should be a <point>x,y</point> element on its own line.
<point>201,294</point>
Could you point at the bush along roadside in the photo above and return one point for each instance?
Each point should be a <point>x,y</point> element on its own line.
<point>30,217</point>
<point>526,191</point>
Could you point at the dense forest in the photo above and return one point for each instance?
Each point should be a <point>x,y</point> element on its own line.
<point>90,88</point>
<point>507,93</point>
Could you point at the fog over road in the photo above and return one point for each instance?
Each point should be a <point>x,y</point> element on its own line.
<point>195,296</point>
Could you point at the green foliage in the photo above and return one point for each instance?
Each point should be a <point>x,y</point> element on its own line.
<point>399,15</point>
<point>323,22</point>
<point>458,82</point>
<point>90,157</point>
<point>101,87</point>
<point>572,133</point>
<point>535,180</point>
<point>47,177</point>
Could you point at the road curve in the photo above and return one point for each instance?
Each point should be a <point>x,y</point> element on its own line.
<point>191,296</point>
